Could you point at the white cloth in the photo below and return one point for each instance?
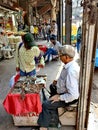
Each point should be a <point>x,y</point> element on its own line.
<point>54,29</point>
<point>68,82</point>
<point>56,46</point>
<point>32,29</point>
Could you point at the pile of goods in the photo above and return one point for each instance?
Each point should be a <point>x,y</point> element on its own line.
<point>29,85</point>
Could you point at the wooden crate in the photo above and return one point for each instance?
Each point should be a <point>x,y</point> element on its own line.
<point>67,116</point>
<point>25,120</point>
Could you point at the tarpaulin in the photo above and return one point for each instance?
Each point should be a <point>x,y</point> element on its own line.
<point>15,105</point>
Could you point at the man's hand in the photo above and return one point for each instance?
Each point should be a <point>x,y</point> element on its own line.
<point>17,69</point>
<point>40,66</point>
<point>55,98</point>
<point>54,82</point>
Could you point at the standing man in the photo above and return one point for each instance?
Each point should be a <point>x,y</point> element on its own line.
<point>26,52</point>
<point>48,31</point>
<point>67,87</point>
<point>79,33</point>
<point>32,30</point>
<point>54,28</point>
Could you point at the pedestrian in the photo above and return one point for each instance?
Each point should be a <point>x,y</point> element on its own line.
<point>36,32</point>
<point>1,28</point>
<point>25,56</point>
<point>48,31</point>
<point>67,87</point>
<point>79,33</point>
<point>54,28</point>
<point>53,48</point>
<point>20,26</point>
<point>44,31</point>
<point>32,30</point>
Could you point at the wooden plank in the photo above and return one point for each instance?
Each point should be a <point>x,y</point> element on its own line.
<point>44,9</point>
<point>63,128</point>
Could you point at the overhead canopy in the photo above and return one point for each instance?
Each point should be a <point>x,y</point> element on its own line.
<point>43,7</point>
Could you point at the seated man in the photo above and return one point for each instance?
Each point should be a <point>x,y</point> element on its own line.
<point>53,49</point>
<point>67,87</point>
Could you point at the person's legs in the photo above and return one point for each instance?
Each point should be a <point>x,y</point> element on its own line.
<point>78,46</point>
<point>22,73</point>
<point>48,108</point>
<point>32,73</point>
<point>48,37</point>
<point>50,51</point>
<point>45,115</point>
<point>54,52</point>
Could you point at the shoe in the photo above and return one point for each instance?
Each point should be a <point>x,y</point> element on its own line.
<point>44,57</point>
<point>55,59</point>
<point>46,61</point>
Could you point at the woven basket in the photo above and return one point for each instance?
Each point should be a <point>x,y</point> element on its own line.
<point>25,120</point>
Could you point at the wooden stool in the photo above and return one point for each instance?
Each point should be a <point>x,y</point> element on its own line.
<point>67,115</point>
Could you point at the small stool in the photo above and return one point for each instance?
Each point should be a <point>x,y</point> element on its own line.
<point>67,115</point>
<point>7,52</point>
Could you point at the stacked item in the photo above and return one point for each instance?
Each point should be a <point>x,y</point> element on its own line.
<point>29,85</point>
<point>13,40</point>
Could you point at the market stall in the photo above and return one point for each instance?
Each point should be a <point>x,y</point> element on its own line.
<point>23,101</point>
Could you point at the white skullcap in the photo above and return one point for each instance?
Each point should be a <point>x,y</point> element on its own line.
<point>67,50</point>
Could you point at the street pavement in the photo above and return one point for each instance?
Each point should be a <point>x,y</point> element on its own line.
<point>7,70</point>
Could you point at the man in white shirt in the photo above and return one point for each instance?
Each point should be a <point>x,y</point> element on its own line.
<point>53,48</point>
<point>32,29</point>
<point>67,87</point>
<point>54,28</point>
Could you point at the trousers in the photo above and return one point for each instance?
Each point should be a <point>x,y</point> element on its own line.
<point>49,52</point>
<point>47,108</point>
<point>32,73</point>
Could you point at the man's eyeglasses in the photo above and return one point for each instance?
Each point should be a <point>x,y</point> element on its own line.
<point>62,55</point>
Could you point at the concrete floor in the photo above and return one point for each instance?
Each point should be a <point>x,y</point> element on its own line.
<point>7,69</point>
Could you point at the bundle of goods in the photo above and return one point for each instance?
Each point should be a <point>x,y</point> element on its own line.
<point>29,85</point>
<point>13,40</point>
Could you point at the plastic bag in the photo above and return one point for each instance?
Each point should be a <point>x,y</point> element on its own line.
<point>14,79</point>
